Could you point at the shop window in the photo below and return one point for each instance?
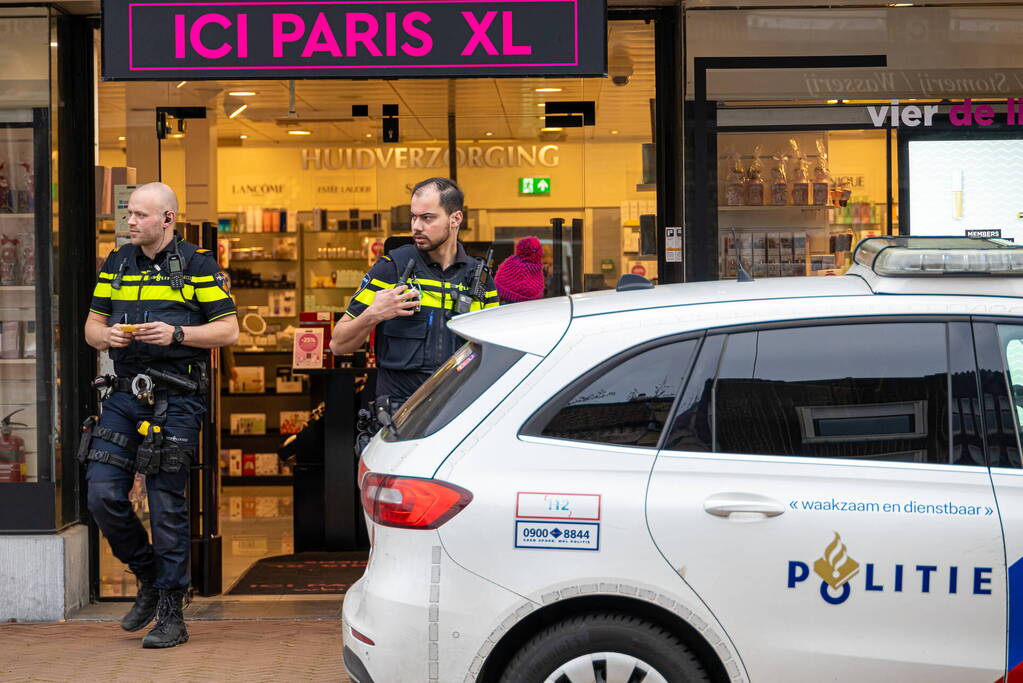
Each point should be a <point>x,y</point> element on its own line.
<point>626,404</point>
<point>830,392</point>
<point>26,393</point>
<point>795,203</point>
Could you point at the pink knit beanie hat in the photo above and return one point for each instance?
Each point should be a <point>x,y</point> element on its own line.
<point>520,277</point>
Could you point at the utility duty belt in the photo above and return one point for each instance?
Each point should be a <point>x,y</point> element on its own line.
<point>155,453</point>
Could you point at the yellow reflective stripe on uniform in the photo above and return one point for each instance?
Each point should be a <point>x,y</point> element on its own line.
<point>202,278</point>
<point>222,315</point>
<point>154,293</point>
<point>433,300</point>
<point>102,290</point>
<point>492,294</point>
<point>106,276</point>
<point>105,315</point>
<point>207,294</point>
<point>365,296</point>
<point>380,284</point>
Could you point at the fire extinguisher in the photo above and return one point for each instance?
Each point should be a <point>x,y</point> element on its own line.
<point>12,450</point>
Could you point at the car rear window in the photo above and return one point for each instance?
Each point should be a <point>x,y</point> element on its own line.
<point>451,389</point>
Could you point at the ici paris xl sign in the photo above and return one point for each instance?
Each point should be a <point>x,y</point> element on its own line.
<point>353,39</point>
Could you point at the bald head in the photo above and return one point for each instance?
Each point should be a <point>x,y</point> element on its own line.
<point>160,196</point>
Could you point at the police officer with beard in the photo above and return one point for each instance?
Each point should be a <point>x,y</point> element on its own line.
<point>159,305</point>
<point>412,337</point>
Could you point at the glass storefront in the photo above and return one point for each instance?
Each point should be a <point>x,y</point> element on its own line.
<point>305,198</point>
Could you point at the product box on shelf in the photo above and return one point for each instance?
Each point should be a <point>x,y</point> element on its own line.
<point>248,465</point>
<point>247,379</point>
<point>234,462</point>
<point>292,421</point>
<point>287,382</point>
<point>248,423</point>
<point>11,342</point>
<point>266,464</point>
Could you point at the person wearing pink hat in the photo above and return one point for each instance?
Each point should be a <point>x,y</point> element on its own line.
<point>520,277</point>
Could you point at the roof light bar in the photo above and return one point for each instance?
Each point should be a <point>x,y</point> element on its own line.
<point>930,256</point>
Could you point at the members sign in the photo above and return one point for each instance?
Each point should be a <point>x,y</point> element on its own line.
<point>353,39</point>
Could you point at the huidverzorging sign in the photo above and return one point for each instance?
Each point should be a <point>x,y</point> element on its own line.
<point>353,39</point>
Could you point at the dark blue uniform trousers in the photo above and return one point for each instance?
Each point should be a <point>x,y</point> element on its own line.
<point>168,508</point>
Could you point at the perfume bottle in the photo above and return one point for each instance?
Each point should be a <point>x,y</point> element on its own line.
<point>821,177</point>
<point>5,191</point>
<point>779,176</point>
<point>8,261</point>
<point>26,196</point>
<point>755,180</point>
<point>27,258</point>
<point>800,175</point>
<point>735,190</point>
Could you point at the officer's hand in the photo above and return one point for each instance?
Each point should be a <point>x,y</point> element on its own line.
<point>118,338</point>
<point>159,334</point>
<point>399,302</point>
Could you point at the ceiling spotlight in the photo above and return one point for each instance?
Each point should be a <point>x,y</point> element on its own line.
<point>300,132</point>
<point>614,132</point>
<point>244,137</point>
<point>53,44</point>
<point>177,135</point>
<point>551,129</point>
<point>832,101</point>
<point>181,84</point>
<point>489,134</point>
<point>121,138</point>
<point>546,89</point>
<point>241,93</point>
<point>237,111</point>
<point>541,104</point>
<point>369,135</point>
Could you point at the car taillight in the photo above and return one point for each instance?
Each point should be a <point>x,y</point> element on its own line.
<point>362,472</point>
<point>411,503</point>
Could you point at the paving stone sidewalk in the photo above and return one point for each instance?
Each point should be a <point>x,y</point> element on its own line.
<point>234,650</point>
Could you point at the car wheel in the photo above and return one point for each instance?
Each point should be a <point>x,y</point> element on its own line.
<point>606,648</point>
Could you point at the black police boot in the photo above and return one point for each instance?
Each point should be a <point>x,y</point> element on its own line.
<point>146,600</point>
<point>170,624</point>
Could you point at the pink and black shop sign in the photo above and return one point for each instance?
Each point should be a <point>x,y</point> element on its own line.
<point>353,39</point>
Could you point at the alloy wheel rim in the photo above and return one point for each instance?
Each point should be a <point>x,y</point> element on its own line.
<point>606,667</point>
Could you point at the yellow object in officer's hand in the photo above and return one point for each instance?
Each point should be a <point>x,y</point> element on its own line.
<point>130,329</point>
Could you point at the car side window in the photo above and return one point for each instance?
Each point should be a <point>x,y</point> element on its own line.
<point>625,403</point>
<point>830,391</point>
<point>1010,342</point>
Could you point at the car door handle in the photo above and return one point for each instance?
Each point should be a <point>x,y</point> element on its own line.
<point>744,505</point>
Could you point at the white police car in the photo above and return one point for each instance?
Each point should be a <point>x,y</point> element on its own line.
<point>797,479</point>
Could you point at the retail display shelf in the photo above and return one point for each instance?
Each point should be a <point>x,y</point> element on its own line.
<point>772,207</point>
<point>361,259</point>
<point>263,289</point>
<point>17,215</point>
<point>17,361</point>
<point>229,394</point>
<point>17,288</point>
<point>342,232</point>
<point>279,480</point>
<point>239,261</point>
<point>104,216</point>
<point>260,351</point>
<point>276,433</point>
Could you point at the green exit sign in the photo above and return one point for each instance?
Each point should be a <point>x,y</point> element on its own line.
<point>534,185</point>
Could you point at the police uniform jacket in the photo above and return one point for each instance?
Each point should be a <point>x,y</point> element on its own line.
<point>135,289</point>
<point>410,348</point>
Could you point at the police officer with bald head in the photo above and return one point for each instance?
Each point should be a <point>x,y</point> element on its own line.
<point>159,305</point>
